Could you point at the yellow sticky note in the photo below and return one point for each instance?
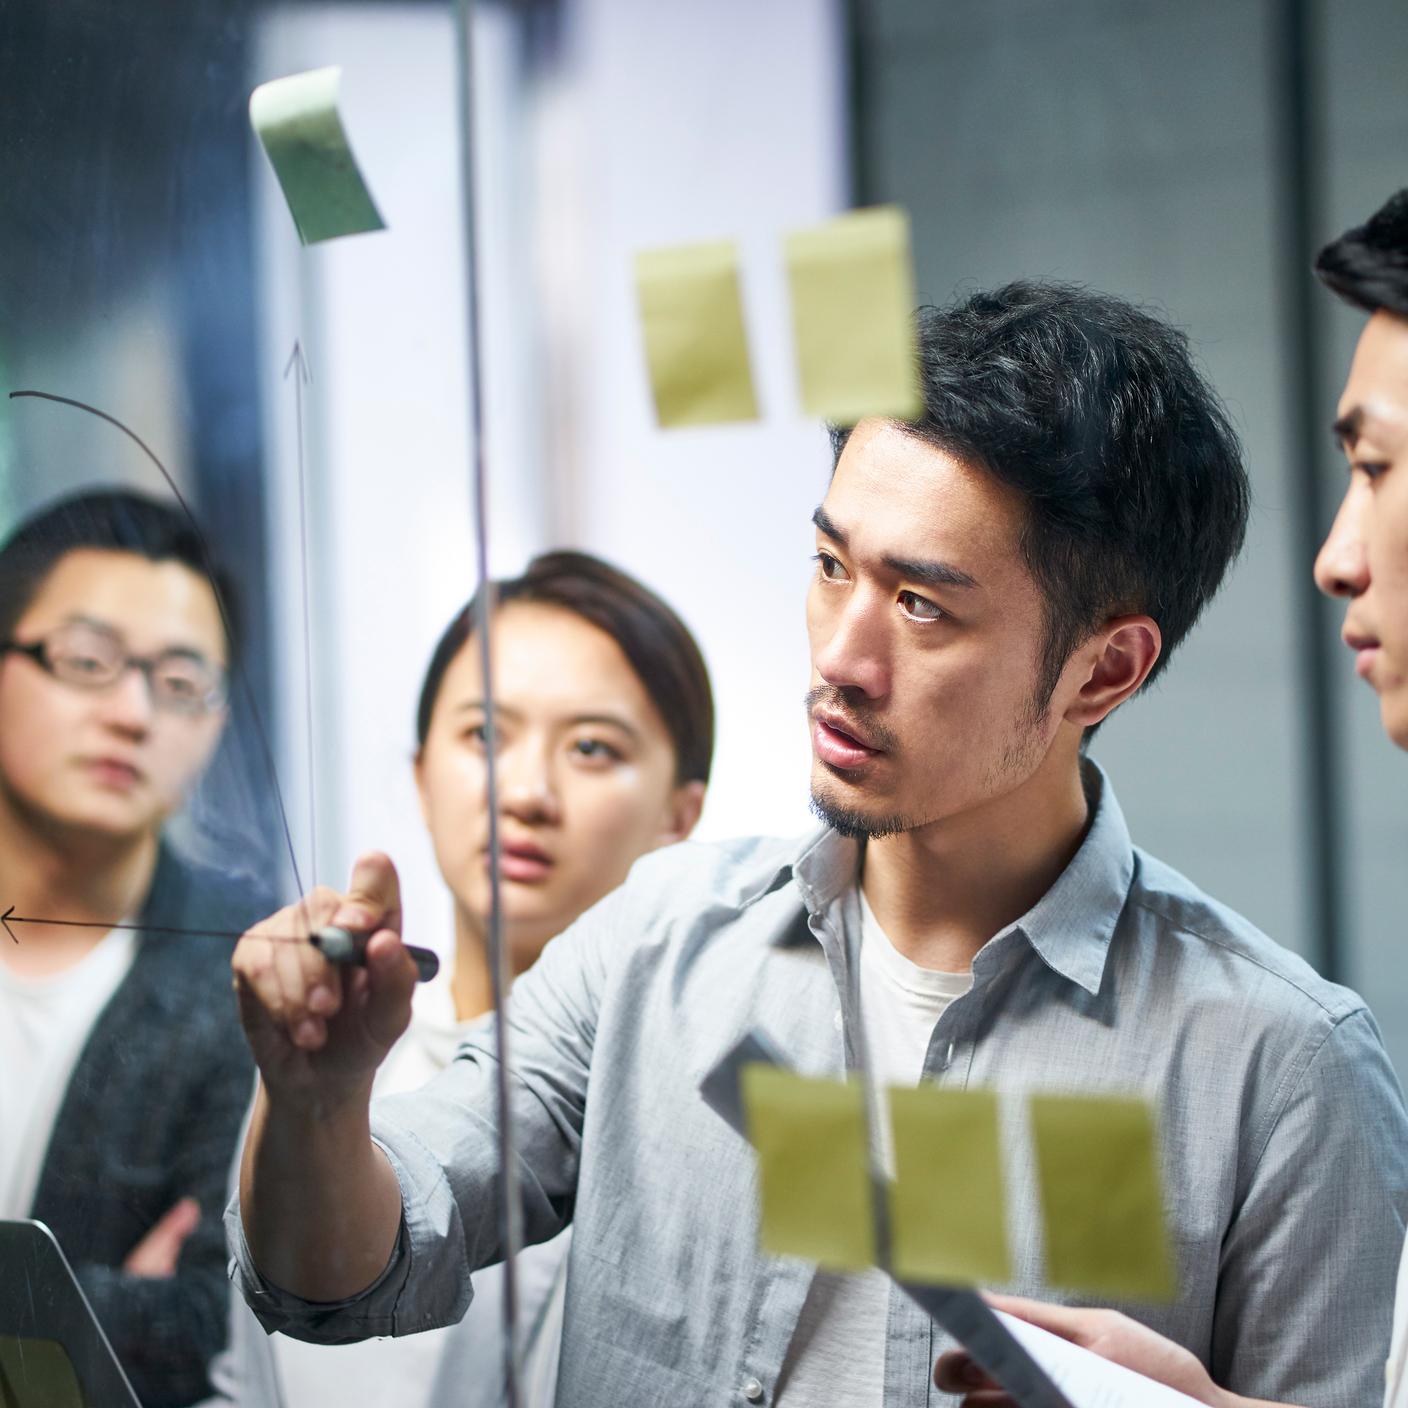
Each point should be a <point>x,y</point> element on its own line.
<point>1102,1196</point>
<point>852,284</point>
<point>298,125</point>
<point>813,1168</point>
<point>696,349</point>
<point>947,1219</point>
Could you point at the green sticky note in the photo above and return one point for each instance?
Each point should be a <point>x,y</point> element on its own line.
<point>1102,1197</point>
<point>813,1167</point>
<point>297,123</point>
<point>691,314</point>
<point>852,285</point>
<point>38,1372</point>
<point>947,1217</point>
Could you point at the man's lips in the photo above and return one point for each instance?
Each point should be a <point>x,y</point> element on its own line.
<point>113,772</point>
<point>838,743</point>
<point>1365,648</point>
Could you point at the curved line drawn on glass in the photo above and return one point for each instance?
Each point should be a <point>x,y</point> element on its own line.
<point>237,671</point>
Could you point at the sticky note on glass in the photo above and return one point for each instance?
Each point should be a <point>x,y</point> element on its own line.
<point>813,1168</point>
<point>1102,1197</point>
<point>696,349</point>
<point>852,286</point>
<point>947,1217</point>
<point>298,125</point>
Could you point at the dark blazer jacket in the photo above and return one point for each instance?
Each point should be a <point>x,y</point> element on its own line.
<point>151,1114</point>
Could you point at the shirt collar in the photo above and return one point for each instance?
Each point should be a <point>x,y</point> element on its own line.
<point>1070,926</point>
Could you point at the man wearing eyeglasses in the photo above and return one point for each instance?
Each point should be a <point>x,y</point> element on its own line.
<point>123,1075</point>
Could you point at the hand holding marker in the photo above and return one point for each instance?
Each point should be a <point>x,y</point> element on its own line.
<point>340,945</point>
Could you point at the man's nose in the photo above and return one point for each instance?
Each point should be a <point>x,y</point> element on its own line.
<point>127,703</point>
<point>854,654</point>
<point>1342,564</point>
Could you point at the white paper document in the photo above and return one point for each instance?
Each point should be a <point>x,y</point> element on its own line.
<point>1087,1380</point>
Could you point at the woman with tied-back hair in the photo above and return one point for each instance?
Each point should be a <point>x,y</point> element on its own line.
<point>605,730</point>
<point>124,1072</point>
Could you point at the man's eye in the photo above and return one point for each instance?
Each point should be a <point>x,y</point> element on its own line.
<point>920,608</point>
<point>828,566</point>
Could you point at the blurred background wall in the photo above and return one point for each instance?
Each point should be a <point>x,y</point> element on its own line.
<point>1190,157</point>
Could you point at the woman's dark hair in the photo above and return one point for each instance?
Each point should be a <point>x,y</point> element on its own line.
<point>110,520</point>
<point>1368,265</point>
<point>657,644</point>
<point>1137,499</point>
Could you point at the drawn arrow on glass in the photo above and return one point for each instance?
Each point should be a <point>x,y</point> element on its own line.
<point>340,945</point>
<point>297,367</point>
<point>10,917</point>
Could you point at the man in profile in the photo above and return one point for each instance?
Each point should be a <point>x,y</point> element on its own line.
<point>992,581</point>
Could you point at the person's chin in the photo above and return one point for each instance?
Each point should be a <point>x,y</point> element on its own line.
<point>1393,711</point>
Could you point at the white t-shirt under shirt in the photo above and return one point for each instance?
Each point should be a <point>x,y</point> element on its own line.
<point>44,1023</point>
<point>837,1354</point>
<point>1396,1370</point>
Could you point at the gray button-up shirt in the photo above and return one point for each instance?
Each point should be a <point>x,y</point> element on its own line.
<point>1285,1144</point>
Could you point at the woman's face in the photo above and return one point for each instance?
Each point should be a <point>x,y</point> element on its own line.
<point>107,763</point>
<point>586,773</point>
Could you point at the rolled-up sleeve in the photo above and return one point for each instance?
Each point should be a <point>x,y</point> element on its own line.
<point>442,1142</point>
<point>400,1301</point>
<point>1304,1302</point>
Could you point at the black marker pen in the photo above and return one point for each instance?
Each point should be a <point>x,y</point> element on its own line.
<point>349,946</point>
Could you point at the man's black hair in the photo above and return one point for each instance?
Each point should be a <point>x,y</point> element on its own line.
<point>110,520</point>
<point>1136,495</point>
<point>656,643</point>
<point>1368,265</point>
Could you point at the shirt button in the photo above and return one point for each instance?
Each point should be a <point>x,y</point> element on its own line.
<point>838,1024</point>
<point>753,1391</point>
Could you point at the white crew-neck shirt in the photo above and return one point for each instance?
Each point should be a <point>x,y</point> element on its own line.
<point>837,1354</point>
<point>44,1023</point>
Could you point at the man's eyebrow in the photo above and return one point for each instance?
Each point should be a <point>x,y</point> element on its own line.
<point>934,574</point>
<point>827,524</point>
<point>95,623</point>
<point>1346,429</point>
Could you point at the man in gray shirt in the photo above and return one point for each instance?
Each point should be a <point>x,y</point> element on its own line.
<point>991,582</point>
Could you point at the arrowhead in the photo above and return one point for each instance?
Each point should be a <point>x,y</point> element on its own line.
<point>4,917</point>
<point>297,359</point>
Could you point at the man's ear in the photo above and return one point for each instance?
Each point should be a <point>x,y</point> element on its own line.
<point>681,813</point>
<point>1115,661</point>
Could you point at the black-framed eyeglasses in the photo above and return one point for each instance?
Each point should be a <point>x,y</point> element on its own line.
<point>90,656</point>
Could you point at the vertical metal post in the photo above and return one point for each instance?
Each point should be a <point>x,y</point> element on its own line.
<point>1299,158</point>
<point>510,1206</point>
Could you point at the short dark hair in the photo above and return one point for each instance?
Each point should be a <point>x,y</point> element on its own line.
<point>656,643</point>
<point>1368,265</point>
<point>110,520</point>
<point>1137,498</point>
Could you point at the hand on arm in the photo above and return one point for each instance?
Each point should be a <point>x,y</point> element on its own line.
<point>1104,1332</point>
<point>156,1255</point>
<point>320,1204</point>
